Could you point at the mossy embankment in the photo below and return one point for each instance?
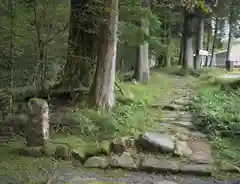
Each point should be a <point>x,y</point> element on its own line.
<point>216,112</point>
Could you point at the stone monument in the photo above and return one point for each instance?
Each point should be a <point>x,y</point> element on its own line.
<point>37,128</point>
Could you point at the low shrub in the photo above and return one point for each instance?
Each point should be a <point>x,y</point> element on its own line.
<point>217,111</point>
<point>95,124</point>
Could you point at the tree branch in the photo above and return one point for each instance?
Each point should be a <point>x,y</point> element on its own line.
<point>56,34</point>
<point>15,34</point>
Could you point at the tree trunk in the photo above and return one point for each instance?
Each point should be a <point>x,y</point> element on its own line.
<point>167,31</point>
<point>137,67</point>
<point>229,37</point>
<point>82,45</point>
<point>209,40</point>
<point>142,69</point>
<point>229,63</point>
<point>144,53</point>
<point>187,42</point>
<point>214,41</point>
<point>142,63</point>
<point>11,58</point>
<point>180,60</point>
<point>199,43</point>
<point>102,91</point>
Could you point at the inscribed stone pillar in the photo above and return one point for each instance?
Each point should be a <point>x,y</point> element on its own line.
<point>37,130</point>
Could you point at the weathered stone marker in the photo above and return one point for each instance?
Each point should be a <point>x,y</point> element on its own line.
<point>37,130</point>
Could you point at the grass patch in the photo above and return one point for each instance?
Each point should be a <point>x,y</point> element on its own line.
<point>216,112</point>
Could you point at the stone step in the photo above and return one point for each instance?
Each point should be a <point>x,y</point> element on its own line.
<point>175,129</point>
<point>174,107</point>
<point>150,163</point>
<point>182,123</point>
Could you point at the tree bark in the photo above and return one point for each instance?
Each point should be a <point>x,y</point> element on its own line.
<point>137,67</point>
<point>144,53</point>
<point>229,64</point>
<point>229,37</point>
<point>214,41</point>
<point>199,43</point>
<point>187,42</point>
<point>142,70</point>
<point>82,45</point>
<point>167,40</point>
<point>180,60</point>
<point>102,91</point>
<point>141,73</point>
<point>209,40</point>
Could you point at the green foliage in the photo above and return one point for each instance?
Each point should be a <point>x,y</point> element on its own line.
<point>216,112</point>
<point>126,119</point>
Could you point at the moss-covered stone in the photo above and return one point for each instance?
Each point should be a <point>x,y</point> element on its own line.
<point>49,150</point>
<point>63,152</point>
<point>83,153</point>
<point>97,162</point>
<point>104,147</point>
<point>78,155</point>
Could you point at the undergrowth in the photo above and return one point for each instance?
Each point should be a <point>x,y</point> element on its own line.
<point>125,119</point>
<point>216,112</point>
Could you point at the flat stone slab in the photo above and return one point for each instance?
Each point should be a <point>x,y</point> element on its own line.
<point>184,102</point>
<point>156,164</point>
<point>182,149</point>
<point>168,119</point>
<point>154,142</point>
<point>159,182</point>
<point>185,114</point>
<point>169,113</point>
<point>201,152</point>
<point>197,169</point>
<point>174,129</point>
<point>122,161</point>
<point>97,162</point>
<point>182,123</point>
<point>152,163</point>
<point>174,107</point>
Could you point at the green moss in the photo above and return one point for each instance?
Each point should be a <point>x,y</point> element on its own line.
<point>49,149</point>
<point>63,152</point>
<point>37,100</point>
<point>31,151</point>
<point>104,146</point>
<point>12,164</point>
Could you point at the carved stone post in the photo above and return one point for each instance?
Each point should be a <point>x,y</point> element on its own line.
<point>37,130</point>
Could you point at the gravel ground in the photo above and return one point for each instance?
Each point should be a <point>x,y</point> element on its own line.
<point>75,176</point>
<point>71,175</point>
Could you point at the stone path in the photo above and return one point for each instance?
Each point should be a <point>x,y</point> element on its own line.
<point>174,147</point>
<point>174,153</point>
<point>176,133</point>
